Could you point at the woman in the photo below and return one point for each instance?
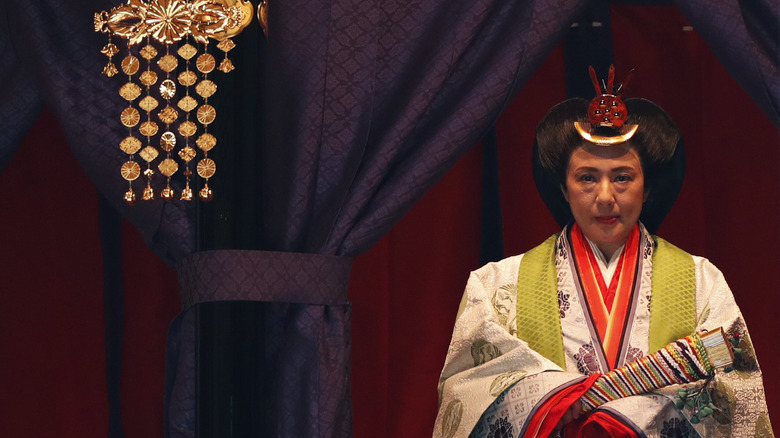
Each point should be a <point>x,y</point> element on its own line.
<point>604,329</point>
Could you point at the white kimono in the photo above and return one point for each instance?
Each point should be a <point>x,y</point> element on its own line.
<point>492,380</point>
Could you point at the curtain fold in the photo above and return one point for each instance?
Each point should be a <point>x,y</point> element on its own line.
<point>381,97</point>
<point>27,103</point>
<point>744,35</point>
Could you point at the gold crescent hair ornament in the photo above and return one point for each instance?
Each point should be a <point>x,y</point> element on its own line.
<point>603,140</point>
<point>170,91</point>
<point>606,110</point>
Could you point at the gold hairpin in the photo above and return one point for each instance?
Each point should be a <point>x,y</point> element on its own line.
<point>168,28</point>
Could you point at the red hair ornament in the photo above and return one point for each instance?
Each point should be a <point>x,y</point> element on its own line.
<point>607,110</point>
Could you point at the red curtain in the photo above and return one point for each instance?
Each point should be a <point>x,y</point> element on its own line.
<point>52,375</point>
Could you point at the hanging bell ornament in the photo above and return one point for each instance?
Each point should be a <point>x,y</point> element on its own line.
<point>205,193</point>
<point>130,197</point>
<point>167,194</point>
<point>148,194</point>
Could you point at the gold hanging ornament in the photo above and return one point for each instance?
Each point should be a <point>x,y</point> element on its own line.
<point>162,38</point>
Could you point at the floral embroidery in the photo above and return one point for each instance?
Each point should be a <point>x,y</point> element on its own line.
<point>501,429</point>
<point>725,400</point>
<point>502,302</point>
<point>587,363</point>
<point>563,303</point>
<point>675,428</point>
<point>649,298</point>
<point>633,354</point>
<point>483,351</point>
<point>561,249</point>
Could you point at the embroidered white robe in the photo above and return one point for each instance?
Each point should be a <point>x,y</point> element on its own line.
<point>492,380</point>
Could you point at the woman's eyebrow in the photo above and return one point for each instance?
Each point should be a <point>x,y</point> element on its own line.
<point>624,169</point>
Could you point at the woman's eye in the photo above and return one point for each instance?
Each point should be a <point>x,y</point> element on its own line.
<point>587,178</point>
<point>622,178</point>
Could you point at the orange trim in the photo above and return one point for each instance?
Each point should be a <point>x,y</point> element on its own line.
<point>608,305</point>
<point>617,318</point>
<point>608,294</point>
<point>595,301</point>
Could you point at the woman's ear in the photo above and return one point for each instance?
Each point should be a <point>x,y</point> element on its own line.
<point>566,194</point>
<point>644,197</point>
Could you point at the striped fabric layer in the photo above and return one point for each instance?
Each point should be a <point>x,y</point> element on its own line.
<point>682,361</point>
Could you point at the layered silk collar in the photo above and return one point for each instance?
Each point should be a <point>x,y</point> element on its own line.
<point>608,304</point>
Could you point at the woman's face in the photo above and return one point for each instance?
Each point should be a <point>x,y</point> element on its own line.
<point>605,189</point>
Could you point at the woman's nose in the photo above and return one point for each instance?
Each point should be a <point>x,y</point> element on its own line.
<point>604,193</point>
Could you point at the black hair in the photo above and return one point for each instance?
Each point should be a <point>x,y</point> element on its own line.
<point>657,141</point>
<point>654,141</point>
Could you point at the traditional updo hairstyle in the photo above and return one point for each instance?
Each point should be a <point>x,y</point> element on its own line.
<point>657,141</point>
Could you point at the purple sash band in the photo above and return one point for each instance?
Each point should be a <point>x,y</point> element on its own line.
<point>230,275</point>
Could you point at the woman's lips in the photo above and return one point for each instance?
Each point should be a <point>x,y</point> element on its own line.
<point>606,219</point>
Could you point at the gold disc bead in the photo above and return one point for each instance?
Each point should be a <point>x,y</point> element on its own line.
<point>130,91</point>
<point>130,170</point>
<point>168,63</point>
<point>206,63</point>
<point>187,103</point>
<point>148,129</point>
<point>168,115</point>
<point>206,88</point>
<point>206,114</point>
<point>130,145</point>
<point>167,89</point>
<point>187,154</point>
<point>149,154</point>
<point>226,45</point>
<point>188,78</point>
<point>130,117</point>
<point>188,128</point>
<point>206,168</point>
<point>148,52</point>
<point>148,103</point>
<point>206,142</point>
<point>168,167</point>
<point>168,141</point>
<point>148,78</point>
<point>130,65</point>
<point>187,51</point>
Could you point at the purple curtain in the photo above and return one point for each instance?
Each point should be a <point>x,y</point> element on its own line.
<point>369,103</point>
<point>745,37</point>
